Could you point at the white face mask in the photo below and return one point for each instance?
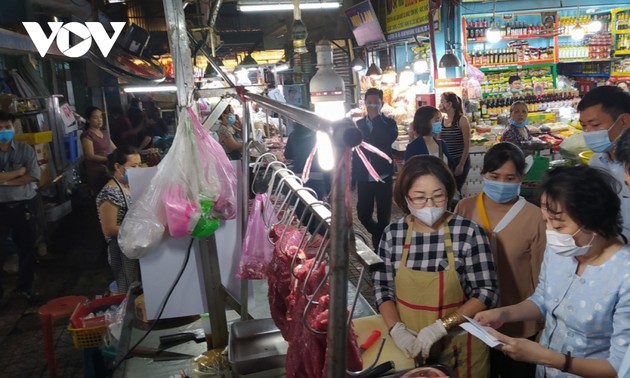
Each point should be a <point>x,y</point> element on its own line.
<point>564,244</point>
<point>427,215</point>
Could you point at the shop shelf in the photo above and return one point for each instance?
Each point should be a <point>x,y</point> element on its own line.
<point>624,31</point>
<point>583,60</point>
<point>515,37</point>
<point>34,138</point>
<point>622,52</point>
<point>517,65</point>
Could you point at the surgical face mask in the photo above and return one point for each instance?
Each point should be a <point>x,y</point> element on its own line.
<point>520,124</point>
<point>598,141</point>
<point>501,192</point>
<point>427,215</point>
<point>564,244</point>
<point>6,135</point>
<point>515,90</point>
<point>126,177</point>
<point>231,119</point>
<point>436,127</point>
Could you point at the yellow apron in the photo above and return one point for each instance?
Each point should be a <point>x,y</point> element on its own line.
<point>424,297</point>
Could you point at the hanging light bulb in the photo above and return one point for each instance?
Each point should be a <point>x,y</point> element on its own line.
<point>325,153</point>
<point>493,34</point>
<point>594,26</point>
<point>407,76</point>
<point>420,66</point>
<point>577,33</point>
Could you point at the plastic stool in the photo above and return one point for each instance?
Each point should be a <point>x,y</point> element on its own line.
<point>58,308</point>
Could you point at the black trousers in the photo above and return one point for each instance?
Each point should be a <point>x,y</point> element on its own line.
<point>502,366</point>
<point>368,194</point>
<point>461,179</point>
<point>20,218</point>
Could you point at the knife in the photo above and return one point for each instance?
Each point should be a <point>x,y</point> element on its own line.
<point>159,355</point>
<point>375,335</point>
<point>379,370</point>
<point>167,341</point>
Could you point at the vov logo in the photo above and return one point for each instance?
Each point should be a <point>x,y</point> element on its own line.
<point>89,31</point>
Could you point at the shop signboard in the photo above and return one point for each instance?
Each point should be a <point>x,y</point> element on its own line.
<point>448,85</point>
<point>407,18</point>
<point>364,23</point>
<point>67,117</point>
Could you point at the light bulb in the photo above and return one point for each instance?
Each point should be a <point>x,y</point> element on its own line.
<point>493,34</point>
<point>594,26</point>
<point>325,153</point>
<point>407,77</point>
<point>577,33</point>
<point>420,66</point>
<point>331,110</point>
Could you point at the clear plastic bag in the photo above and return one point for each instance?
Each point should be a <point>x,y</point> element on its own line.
<point>257,251</point>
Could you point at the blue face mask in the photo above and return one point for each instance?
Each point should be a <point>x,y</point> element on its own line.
<point>598,141</point>
<point>436,127</point>
<point>515,90</point>
<point>126,177</point>
<point>6,135</point>
<point>231,119</point>
<point>521,124</point>
<point>501,192</point>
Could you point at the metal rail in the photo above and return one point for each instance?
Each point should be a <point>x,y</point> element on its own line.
<point>344,136</point>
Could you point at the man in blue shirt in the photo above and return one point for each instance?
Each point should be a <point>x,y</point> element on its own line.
<point>19,173</point>
<point>604,115</point>
<point>381,132</point>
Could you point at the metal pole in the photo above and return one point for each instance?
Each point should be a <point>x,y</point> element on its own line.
<point>182,62</point>
<point>345,135</point>
<point>209,260</point>
<point>180,50</point>
<point>245,200</point>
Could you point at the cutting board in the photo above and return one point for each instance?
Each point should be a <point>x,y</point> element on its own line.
<point>363,327</point>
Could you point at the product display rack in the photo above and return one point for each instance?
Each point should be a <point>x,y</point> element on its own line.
<point>620,26</point>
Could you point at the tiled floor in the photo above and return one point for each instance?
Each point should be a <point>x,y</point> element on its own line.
<point>76,264</point>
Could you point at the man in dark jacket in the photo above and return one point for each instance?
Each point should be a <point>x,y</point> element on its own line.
<point>381,132</point>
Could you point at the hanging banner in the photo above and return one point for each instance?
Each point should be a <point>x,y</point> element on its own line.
<point>364,23</point>
<point>406,18</point>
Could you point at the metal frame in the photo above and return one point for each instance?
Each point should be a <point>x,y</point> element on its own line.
<point>344,135</point>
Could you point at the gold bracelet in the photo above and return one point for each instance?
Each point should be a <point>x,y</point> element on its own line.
<point>452,321</point>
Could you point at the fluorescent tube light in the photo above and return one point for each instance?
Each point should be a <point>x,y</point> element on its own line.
<point>286,7</point>
<point>157,88</point>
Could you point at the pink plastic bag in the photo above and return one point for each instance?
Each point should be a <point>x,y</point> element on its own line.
<point>216,166</point>
<point>181,214</point>
<point>257,251</point>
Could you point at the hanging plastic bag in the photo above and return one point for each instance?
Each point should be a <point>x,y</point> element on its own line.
<point>216,169</point>
<point>257,251</point>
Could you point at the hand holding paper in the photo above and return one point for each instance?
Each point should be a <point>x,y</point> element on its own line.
<point>480,332</point>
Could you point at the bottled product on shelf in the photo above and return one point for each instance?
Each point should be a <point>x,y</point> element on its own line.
<point>476,28</point>
<point>516,53</point>
<point>493,106</point>
<point>566,23</point>
<point>596,47</point>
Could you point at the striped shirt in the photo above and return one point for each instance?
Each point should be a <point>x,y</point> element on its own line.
<point>473,259</point>
<point>454,138</point>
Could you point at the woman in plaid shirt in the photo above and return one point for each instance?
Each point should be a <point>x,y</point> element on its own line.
<point>438,267</point>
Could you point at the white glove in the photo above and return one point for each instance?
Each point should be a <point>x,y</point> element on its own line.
<point>427,337</point>
<point>403,338</point>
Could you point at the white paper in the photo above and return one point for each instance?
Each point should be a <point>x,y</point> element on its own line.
<point>480,332</point>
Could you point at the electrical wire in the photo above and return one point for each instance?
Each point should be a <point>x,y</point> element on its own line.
<point>162,307</point>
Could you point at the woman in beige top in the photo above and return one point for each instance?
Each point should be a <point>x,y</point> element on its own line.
<point>517,235</point>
